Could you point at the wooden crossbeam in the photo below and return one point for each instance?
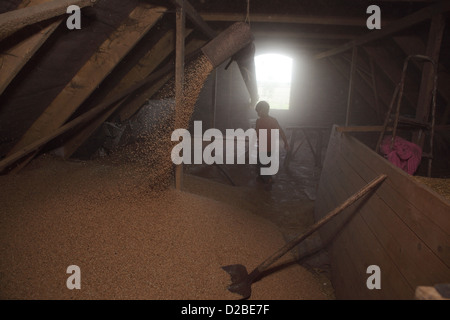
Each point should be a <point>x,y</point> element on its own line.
<point>401,24</point>
<point>95,70</point>
<point>15,20</point>
<point>285,18</point>
<point>196,18</point>
<point>14,58</point>
<point>302,35</point>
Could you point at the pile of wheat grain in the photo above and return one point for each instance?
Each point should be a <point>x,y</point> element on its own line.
<point>128,242</point>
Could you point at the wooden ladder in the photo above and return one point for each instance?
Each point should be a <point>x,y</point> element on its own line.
<point>410,123</point>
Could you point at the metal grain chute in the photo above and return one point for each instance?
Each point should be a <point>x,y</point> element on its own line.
<point>236,43</point>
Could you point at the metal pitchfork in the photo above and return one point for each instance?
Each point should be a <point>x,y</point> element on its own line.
<point>241,281</point>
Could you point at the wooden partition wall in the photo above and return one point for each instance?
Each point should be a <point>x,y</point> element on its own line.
<point>403,227</point>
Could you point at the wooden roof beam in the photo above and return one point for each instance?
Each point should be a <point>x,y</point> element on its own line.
<point>14,58</point>
<point>15,20</point>
<point>401,24</point>
<point>285,18</point>
<point>302,35</point>
<point>95,70</point>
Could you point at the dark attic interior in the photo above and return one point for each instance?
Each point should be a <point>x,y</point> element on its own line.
<point>135,163</point>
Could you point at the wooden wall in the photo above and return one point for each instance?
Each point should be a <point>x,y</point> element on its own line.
<point>403,227</point>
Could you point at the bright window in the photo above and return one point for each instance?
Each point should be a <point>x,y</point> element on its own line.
<point>274,76</point>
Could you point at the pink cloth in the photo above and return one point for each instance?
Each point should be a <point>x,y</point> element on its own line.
<point>404,154</point>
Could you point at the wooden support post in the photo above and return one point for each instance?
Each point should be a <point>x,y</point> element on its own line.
<point>91,75</point>
<point>351,84</point>
<point>427,83</point>
<point>214,99</point>
<point>179,80</point>
<point>15,20</point>
<point>195,17</point>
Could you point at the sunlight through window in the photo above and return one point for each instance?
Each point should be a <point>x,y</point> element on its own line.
<point>274,76</point>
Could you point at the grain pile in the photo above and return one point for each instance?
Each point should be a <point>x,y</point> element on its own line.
<point>131,234</point>
<point>128,242</point>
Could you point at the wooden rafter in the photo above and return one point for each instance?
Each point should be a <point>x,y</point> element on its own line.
<point>401,24</point>
<point>13,59</point>
<point>123,39</point>
<point>146,65</point>
<point>15,20</point>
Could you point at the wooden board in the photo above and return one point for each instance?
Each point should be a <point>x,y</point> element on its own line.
<point>14,20</point>
<point>13,59</point>
<point>404,227</point>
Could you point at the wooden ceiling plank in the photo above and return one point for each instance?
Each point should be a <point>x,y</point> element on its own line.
<point>401,24</point>
<point>146,65</point>
<point>15,58</point>
<point>89,77</point>
<point>15,20</point>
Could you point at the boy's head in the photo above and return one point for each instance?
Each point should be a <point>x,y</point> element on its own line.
<point>262,108</point>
